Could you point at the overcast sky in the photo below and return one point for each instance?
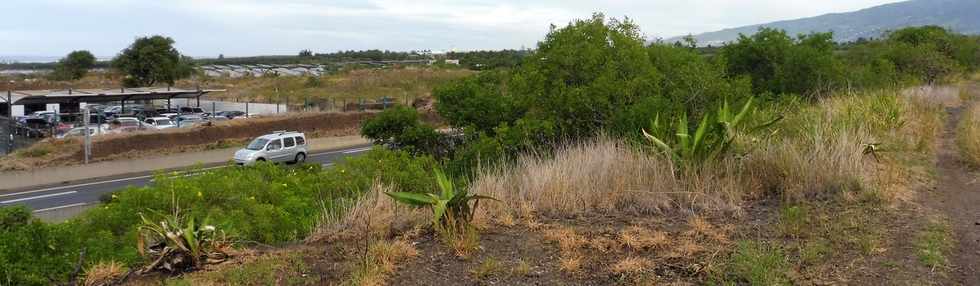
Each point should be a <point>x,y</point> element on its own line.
<point>206,28</point>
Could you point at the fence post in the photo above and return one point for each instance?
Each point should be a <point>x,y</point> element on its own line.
<point>246,110</point>
<point>10,123</point>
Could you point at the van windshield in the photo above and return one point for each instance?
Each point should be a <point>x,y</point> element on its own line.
<point>257,144</point>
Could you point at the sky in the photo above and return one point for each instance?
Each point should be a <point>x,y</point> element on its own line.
<point>207,28</point>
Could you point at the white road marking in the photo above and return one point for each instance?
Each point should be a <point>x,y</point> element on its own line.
<point>357,150</point>
<point>61,207</point>
<point>37,197</point>
<point>327,165</point>
<point>75,186</point>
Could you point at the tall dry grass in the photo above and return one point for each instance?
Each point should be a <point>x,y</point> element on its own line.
<point>968,135</point>
<point>847,145</point>
<point>604,176</point>
<point>373,216</point>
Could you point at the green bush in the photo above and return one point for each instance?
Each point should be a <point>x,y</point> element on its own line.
<point>478,101</point>
<point>400,128</point>
<point>264,204</point>
<point>390,123</point>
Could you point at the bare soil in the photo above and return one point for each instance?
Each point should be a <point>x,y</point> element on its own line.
<point>958,196</point>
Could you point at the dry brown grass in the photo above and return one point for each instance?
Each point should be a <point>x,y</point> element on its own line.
<point>631,265</point>
<point>571,263</point>
<point>639,238</point>
<point>567,239</point>
<point>603,176</point>
<point>968,135</point>
<point>373,216</point>
<point>104,273</point>
<point>411,82</point>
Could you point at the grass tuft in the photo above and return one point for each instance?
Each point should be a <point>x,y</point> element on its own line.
<point>933,244</point>
<point>756,263</point>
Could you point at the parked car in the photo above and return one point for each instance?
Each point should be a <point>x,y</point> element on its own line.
<point>118,111</point>
<point>126,124</point>
<point>80,131</point>
<point>187,121</point>
<point>217,118</point>
<point>231,114</point>
<point>160,123</point>
<point>165,110</point>
<point>194,111</point>
<point>280,146</point>
<point>171,115</point>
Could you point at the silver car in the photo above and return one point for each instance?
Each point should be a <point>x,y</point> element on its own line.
<point>278,147</point>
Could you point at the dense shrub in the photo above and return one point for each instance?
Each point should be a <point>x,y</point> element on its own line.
<point>401,128</point>
<point>263,204</point>
<point>582,74</point>
<point>479,102</point>
<point>779,64</point>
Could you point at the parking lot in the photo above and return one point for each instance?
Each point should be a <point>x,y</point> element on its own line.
<point>19,142</point>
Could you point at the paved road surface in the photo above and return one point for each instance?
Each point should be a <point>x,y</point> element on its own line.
<point>54,197</point>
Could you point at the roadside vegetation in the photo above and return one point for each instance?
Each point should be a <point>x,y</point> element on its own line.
<point>598,159</point>
<point>969,135</point>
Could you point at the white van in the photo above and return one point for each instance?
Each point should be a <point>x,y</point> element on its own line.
<point>278,147</point>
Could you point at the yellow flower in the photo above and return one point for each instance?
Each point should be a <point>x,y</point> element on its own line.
<point>199,194</point>
<point>284,185</point>
<point>251,198</point>
<point>114,196</point>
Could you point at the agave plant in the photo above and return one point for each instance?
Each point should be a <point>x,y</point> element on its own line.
<point>176,244</point>
<point>712,137</point>
<point>449,206</point>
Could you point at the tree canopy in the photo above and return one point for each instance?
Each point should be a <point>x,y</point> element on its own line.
<point>74,66</point>
<point>152,60</point>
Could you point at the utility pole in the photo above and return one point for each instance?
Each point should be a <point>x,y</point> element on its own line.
<point>88,135</point>
<point>10,123</point>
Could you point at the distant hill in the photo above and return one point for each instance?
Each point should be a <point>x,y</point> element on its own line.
<point>960,15</point>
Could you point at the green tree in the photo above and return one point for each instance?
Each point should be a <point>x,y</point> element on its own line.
<point>584,73</point>
<point>759,57</point>
<point>74,66</point>
<point>810,66</point>
<point>479,101</point>
<point>780,64</point>
<point>152,60</point>
<point>400,127</point>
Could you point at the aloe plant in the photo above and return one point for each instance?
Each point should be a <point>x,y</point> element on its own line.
<point>710,139</point>
<point>448,206</point>
<point>176,243</point>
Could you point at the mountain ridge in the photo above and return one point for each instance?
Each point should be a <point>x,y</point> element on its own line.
<point>962,16</point>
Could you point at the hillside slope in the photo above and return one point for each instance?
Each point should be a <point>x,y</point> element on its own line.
<point>961,15</point>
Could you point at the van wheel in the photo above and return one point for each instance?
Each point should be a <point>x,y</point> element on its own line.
<point>300,158</point>
<point>260,160</point>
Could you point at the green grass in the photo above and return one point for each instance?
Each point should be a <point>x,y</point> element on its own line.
<point>287,269</point>
<point>487,268</point>
<point>933,243</point>
<point>37,152</point>
<point>793,221</point>
<point>757,263</point>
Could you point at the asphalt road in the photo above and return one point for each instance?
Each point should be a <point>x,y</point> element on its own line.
<point>54,197</point>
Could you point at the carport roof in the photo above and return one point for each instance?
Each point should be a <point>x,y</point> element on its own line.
<point>24,97</point>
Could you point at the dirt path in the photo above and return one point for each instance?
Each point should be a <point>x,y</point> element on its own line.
<point>958,196</point>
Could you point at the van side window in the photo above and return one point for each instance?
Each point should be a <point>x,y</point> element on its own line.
<point>275,145</point>
<point>289,142</point>
<point>300,141</point>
